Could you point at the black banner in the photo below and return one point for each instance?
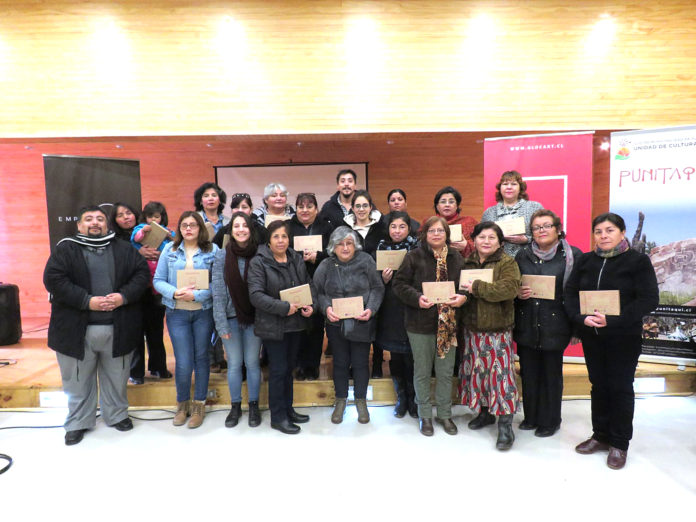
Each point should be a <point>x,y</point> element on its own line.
<point>670,331</point>
<point>73,182</point>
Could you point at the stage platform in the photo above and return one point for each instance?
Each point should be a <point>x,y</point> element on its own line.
<point>33,370</point>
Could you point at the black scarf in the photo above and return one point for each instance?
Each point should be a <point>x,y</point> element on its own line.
<point>236,283</point>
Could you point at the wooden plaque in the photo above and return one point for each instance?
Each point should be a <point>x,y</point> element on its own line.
<point>482,274</point>
<point>198,277</point>
<point>542,286</point>
<point>456,232</point>
<point>299,295</point>
<point>512,227</point>
<point>308,243</point>
<point>347,307</point>
<point>438,292</point>
<point>390,259</point>
<point>607,302</point>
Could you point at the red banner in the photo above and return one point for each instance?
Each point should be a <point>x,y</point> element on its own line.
<point>558,171</point>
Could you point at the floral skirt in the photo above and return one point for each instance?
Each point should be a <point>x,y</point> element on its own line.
<point>487,373</point>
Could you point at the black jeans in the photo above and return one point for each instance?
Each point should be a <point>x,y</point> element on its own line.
<point>542,385</point>
<point>153,330</point>
<point>282,356</point>
<point>611,364</point>
<point>346,355</point>
<point>312,344</point>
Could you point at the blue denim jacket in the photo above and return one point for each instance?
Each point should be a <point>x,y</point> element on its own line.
<point>165,276</point>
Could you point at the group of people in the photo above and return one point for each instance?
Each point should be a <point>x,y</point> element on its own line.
<point>229,276</point>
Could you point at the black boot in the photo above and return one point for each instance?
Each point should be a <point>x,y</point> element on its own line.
<point>396,370</point>
<point>377,360</point>
<point>254,414</point>
<point>482,419</point>
<point>505,434</point>
<point>232,418</point>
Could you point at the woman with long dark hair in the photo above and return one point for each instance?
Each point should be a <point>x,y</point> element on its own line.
<point>189,314</point>
<point>234,317</point>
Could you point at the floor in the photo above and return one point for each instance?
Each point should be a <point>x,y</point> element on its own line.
<point>384,469</point>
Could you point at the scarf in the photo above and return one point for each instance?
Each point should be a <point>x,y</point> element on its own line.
<point>91,241</point>
<point>446,320</point>
<point>236,283</point>
<point>548,255</point>
<point>407,244</point>
<point>622,247</point>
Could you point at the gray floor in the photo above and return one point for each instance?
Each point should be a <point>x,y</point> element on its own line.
<point>382,470</point>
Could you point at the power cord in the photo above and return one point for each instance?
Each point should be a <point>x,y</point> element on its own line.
<point>8,465</point>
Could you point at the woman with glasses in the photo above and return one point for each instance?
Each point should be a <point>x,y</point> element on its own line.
<point>513,202</point>
<point>307,222</point>
<point>542,327</point>
<point>431,327</point>
<point>189,313</point>
<point>348,272</point>
<point>366,220</point>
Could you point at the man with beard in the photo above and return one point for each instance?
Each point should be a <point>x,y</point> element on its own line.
<point>95,282</point>
<point>339,205</point>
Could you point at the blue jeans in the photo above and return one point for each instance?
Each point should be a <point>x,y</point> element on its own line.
<point>190,332</point>
<point>242,346</point>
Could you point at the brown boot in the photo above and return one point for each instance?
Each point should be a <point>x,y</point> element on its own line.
<point>183,410</point>
<point>197,414</point>
<point>363,413</point>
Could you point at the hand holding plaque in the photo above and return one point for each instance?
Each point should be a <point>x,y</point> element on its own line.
<point>347,307</point>
<point>197,278</point>
<point>607,302</point>
<point>155,235</point>
<point>438,292</point>
<point>466,277</point>
<point>543,287</point>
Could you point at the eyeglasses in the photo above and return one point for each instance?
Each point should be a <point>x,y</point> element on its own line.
<point>362,206</point>
<point>545,226</point>
<point>436,231</point>
<point>187,226</point>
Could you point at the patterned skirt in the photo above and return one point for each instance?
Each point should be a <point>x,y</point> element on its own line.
<point>487,373</point>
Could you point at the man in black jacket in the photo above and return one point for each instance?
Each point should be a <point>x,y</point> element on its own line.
<point>95,282</point>
<point>338,206</point>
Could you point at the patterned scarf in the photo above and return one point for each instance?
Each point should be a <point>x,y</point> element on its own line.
<point>548,255</point>
<point>91,241</point>
<point>618,249</point>
<point>446,322</point>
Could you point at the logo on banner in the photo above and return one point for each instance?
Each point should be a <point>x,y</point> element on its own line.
<point>624,151</point>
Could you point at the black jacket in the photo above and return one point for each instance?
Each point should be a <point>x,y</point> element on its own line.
<point>266,278</point>
<point>631,273</point>
<point>541,323</point>
<point>418,267</point>
<point>331,212</point>
<point>318,228</point>
<point>66,277</point>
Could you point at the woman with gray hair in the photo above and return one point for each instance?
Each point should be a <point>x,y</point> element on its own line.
<point>349,272</point>
<point>275,204</point>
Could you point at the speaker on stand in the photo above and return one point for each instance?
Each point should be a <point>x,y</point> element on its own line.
<point>10,319</point>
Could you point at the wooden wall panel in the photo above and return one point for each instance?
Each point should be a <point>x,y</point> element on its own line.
<point>154,67</point>
<point>171,168</point>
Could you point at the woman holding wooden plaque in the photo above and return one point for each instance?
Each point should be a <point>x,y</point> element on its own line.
<point>426,284</point>
<point>609,292</point>
<point>447,203</point>
<point>487,371</point>
<point>350,293</point>
<point>542,327</point>
<point>182,277</point>
<point>391,332</point>
<point>310,236</point>
<point>513,211</point>
<point>282,294</point>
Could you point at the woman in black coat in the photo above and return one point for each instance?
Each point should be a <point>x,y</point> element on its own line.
<point>612,343</point>
<point>391,328</point>
<point>542,327</point>
<point>306,222</point>
<point>279,323</point>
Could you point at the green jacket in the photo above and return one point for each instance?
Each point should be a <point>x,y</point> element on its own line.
<point>491,306</point>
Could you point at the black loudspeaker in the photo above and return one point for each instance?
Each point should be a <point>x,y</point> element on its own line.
<point>10,320</point>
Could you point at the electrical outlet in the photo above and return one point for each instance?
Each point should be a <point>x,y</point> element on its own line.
<point>212,394</point>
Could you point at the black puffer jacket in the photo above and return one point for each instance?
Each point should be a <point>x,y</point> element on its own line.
<point>541,323</point>
<point>631,273</point>
<point>417,268</point>
<point>266,278</point>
